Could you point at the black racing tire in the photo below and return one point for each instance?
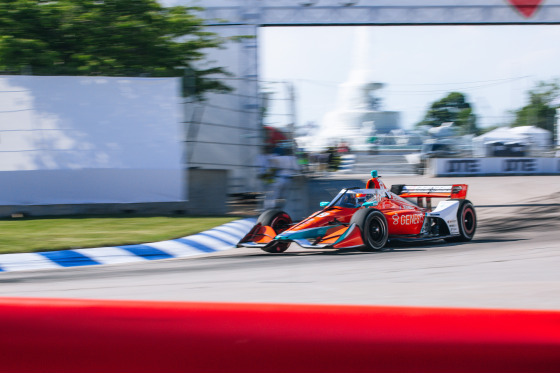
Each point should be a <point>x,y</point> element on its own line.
<point>374,228</point>
<point>466,220</point>
<point>280,221</point>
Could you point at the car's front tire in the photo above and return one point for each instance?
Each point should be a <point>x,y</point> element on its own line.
<point>280,221</point>
<point>373,226</point>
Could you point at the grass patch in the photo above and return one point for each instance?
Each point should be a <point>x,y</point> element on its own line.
<point>18,235</point>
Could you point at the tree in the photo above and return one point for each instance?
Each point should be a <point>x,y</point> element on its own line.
<point>541,109</point>
<point>452,108</point>
<point>106,38</point>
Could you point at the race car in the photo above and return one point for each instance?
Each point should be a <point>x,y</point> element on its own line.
<point>367,218</point>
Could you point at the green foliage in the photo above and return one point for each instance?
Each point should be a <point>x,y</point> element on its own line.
<point>540,111</point>
<point>105,38</point>
<point>452,108</point>
<point>54,233</point>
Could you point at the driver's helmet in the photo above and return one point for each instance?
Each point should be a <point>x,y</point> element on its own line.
<point>360,198</point>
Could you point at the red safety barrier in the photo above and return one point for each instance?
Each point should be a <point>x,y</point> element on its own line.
<point>55,335</point>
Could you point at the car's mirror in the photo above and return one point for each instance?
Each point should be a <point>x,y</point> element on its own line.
<point>323,204</point>
<point>369,203</point>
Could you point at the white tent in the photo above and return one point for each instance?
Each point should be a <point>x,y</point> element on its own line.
<point>481,144</point>
<point>501,134</point>
<point>536,139</point>
<point>540,138</point>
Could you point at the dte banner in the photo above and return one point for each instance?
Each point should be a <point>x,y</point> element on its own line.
<point>443,167</point>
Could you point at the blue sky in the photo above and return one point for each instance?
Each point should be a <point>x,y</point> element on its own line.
<point>493,65</point>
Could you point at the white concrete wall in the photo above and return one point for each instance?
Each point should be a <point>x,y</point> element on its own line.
<point>74,140</point>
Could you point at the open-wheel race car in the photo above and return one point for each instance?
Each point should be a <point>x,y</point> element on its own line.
<point>367,218</point>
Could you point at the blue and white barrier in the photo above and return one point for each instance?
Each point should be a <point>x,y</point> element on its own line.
<point>447,167</point>
<point>217,239</point>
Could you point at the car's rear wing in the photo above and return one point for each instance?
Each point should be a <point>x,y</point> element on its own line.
<point>455,191</point>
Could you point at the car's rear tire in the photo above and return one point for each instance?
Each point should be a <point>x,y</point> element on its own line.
<point>374,228</point>
<point>466,220</point>
<point>280,221</point>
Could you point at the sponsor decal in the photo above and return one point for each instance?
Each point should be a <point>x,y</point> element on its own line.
<point>453,228</point>
<point>323,214</point>
<point>462,166</point>
<point>520,165</point>
<point>407,219</point>
<point>426,189</point>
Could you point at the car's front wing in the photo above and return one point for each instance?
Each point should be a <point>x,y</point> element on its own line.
<point>332,236</point>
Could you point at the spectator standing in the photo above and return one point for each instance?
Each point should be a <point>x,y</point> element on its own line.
<point>267,176</point>
<point>286,166</point>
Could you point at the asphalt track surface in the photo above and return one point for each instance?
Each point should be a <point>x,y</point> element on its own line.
<point>513,262</point>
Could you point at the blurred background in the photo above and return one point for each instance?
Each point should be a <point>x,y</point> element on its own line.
<point>213,107</point>
<point>416,92</point>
